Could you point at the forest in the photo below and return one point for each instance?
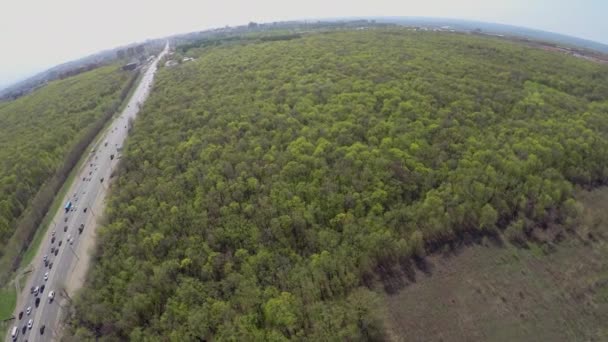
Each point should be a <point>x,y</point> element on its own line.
<point>268,186</point>
<point>38,131</point>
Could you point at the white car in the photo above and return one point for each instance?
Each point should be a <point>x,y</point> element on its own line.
<point>53,233</point>
<point>28,310</point>
<point>46,276</point>
<point>30,323</point>
<point>36,290</point>
<point>51,296</point>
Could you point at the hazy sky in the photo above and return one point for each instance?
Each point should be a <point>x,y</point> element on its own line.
<point>37,34</point>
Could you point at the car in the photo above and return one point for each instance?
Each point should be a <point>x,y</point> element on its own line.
<point>46,276</point>
<point>56,251</point>
<point>32,289</point>
<point>30,323</point>
<point>59,243</point>
<point>52,249</point>
<point>45,257</point>
<point>20,314</point>
<point>53,239</point>
<point>37,301</point>
<point>36,290</point>
<point>46,263</point>
<point>24,329</point>
<point>14,333</point>
<point>50,266</point>
<point>42,329</point>
<point>42,288</point>
<point>65,229</point>
<point>51,296</point>
<point>72,241</point>
<point>85,210</point>
<point>53,233</point>
<point>28,311</point>
<point>69,237</point>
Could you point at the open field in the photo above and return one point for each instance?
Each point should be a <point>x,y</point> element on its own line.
<point>484,292</point>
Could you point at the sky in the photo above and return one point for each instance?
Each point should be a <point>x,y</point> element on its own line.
<point>38,34</point>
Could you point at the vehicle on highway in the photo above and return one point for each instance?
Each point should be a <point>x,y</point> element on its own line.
<point>32,289</point>
<point>53,233</point>
<point>46,263</point>
<point>56,251</point>
<point>50,266</point>
<point>30,323</point>
<point>85,210</point>
<point>59,243</point>
<point>68,206</point>
<point>42,329</point>
<point>20,315</point>
<point>45,257</point>
<point>46,276</point>
<point>81,228</point>
<point>42,288</point>
<point>37,302</point>
<point>53,239</point>
<point>36,289</point>
<point>52,249</point>
<point>14,333</point>
<point>51,296</point>
<point>65,229</point>
<point>28,311</point>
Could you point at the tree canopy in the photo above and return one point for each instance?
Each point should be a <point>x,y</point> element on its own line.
<point>267,184</point>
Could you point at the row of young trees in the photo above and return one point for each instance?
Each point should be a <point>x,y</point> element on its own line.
<point>38,131</point>
<point>268,184</point>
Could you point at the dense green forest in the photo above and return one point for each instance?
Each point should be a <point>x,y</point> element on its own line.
<point>269,185</point>
<point>38,130</point>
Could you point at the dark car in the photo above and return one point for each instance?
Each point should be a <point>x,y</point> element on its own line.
<point>85,210</point>
<point>20,314</point>
<point>65,219</point>
<point>32,290</point>
<point>56,251</point>
<point>37,302</point>
<point>53,239</point>
<point>59,243</point>
<point>65,229</point>
<point>50,266</point>
<point>42,329</point>
<point>24,329</point>
<point>41,288</point>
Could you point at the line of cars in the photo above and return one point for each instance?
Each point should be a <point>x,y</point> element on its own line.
<point>37,291</point>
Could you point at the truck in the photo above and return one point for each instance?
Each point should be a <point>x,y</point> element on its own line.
<point>68,206</point>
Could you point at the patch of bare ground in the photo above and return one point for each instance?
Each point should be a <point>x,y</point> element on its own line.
<point>489,292</point>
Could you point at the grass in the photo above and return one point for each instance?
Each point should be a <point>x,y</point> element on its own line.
<point>485,292</point>
<point>8,300</point>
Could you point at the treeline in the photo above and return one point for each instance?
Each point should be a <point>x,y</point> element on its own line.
<point>267,186</point>
<point>43,137</point>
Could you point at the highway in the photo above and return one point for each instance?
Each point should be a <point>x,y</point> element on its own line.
<point>87,195</point>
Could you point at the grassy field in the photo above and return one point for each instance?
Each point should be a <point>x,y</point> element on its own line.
<point>486,292</point>
<point>8,299</point>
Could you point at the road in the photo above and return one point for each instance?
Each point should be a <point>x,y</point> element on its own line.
<point>87,192</point>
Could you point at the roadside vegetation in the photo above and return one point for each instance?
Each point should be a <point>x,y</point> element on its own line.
<point>269,185</point>
<point>42,136</point>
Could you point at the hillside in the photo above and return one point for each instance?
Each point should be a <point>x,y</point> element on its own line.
<point>270,186</point>
<point>38,131</point>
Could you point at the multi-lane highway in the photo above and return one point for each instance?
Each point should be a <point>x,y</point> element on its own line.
<point>64,246</point>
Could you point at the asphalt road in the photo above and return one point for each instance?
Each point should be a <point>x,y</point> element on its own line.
<point>89,187</point>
